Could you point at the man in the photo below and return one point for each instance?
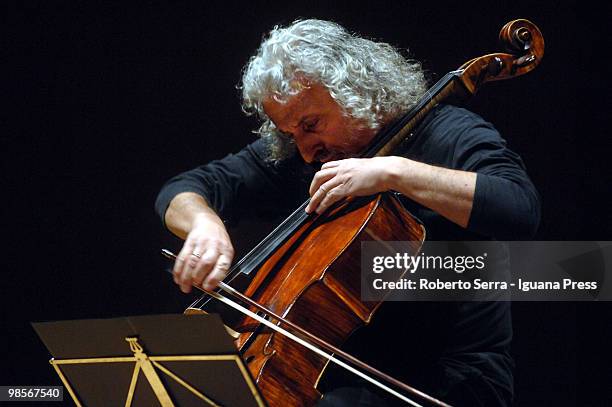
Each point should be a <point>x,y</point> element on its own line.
<point>323,94</point>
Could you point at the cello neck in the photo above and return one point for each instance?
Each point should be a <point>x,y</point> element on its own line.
<point>448,87</point>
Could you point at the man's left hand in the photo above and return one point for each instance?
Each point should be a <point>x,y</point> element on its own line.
<point>350,177</point>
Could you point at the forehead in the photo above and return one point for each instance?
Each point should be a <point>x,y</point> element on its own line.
<point>312,100</point>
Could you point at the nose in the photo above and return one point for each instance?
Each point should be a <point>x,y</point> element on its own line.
<point>308,145</point>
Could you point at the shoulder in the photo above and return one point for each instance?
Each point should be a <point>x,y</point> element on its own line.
<point>254,157</point>
<point>451,127</point>
<point>256,150</point>
<point>446,112</point>
<point>450,122</point>
<point>449,134</point>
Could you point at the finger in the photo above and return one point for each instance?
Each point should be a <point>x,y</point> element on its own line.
<point>186,274</point>
<point>218,273</point>
<point>181,259</point>
<point>318,196</point>
<point>205,266</point>
<point>330,164</point>
<point>202,267</point>
<point>320,178</point>
<point>331,197</point>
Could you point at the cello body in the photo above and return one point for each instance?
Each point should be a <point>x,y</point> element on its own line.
<point>314,280</point>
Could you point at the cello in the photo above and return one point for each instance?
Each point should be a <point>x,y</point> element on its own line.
<point>309,262</point>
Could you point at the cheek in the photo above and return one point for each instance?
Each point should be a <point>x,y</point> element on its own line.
<point>352,141</point>
<point>336,141</point>
<point>337,135</point>
<point>346,135</point>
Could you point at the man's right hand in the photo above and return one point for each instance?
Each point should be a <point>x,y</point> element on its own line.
<point>207,253</point>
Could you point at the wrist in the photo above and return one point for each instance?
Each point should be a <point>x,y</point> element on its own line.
<point>395,170</point>
<point>207,217</point>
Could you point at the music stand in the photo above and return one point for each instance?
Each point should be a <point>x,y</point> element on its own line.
<point>170,360</point>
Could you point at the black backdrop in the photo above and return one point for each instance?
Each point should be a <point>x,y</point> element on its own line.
<point>107,102</point>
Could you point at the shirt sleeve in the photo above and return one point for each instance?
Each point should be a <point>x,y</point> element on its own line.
<point>229,185</point>
<point>506,204</point>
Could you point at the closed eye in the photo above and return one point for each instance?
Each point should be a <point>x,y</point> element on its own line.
<point>310,126</point>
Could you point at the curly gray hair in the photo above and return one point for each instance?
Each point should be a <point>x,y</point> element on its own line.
<point>369,80</point>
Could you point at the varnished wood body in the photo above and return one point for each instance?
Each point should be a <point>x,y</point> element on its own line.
<point>313,280</point>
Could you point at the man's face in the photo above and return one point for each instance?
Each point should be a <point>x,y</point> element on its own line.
<point>318,126</point>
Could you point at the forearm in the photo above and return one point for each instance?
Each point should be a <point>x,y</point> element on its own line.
<point>185,210</point>
<point>447,192</point>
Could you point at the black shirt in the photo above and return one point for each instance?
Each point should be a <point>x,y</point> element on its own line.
<point>431,344</point>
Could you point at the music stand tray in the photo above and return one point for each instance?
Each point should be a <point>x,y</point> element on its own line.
<point>167,360</point>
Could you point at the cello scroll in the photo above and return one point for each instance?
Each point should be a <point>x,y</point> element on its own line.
<point>525,45</point>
